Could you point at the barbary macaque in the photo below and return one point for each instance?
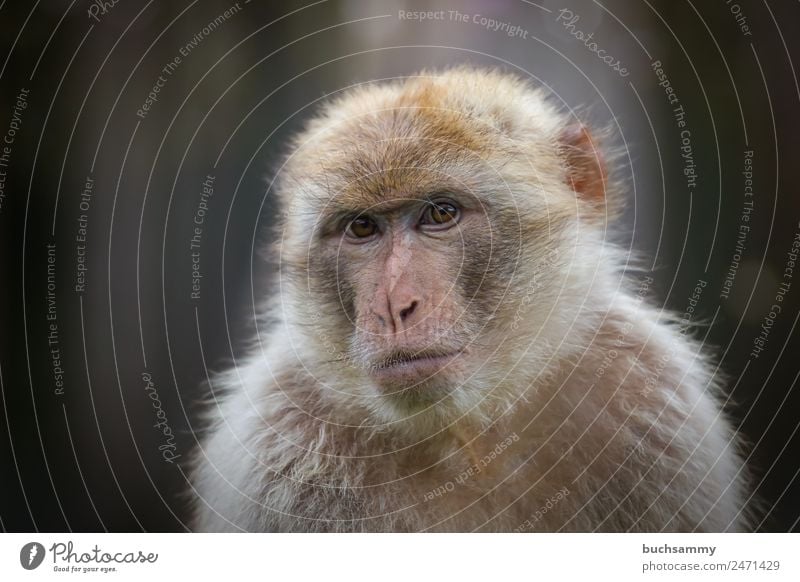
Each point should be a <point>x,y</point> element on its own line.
<point>453,343</point>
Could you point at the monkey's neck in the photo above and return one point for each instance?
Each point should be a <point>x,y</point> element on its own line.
<point>466,443</point>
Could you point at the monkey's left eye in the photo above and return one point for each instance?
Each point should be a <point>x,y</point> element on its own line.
<point>441,214</point>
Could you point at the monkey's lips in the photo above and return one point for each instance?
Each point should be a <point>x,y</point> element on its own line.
<point>414,367</point>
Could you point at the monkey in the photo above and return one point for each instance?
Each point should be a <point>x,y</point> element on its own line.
<point>455,343</point>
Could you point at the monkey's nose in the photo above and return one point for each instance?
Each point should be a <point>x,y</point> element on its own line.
<point>406,312</point>
<point>402,308</point>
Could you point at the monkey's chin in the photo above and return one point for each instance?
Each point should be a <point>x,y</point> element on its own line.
<point>418,382</point>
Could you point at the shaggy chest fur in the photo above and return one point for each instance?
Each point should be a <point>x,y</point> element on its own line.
<point>492,483</point>
<point>646,450</point>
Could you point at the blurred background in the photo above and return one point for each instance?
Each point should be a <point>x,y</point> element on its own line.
<point>137,141</point>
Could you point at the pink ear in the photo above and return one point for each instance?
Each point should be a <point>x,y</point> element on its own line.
<point>586,173</point>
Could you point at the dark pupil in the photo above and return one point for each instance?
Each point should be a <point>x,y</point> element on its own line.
<point>362,227</point>
<point>443,212</point>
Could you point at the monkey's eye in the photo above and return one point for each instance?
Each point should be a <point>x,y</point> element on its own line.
<point>361,227</point>
<point>441,214</point>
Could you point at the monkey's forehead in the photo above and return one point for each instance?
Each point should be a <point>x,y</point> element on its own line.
<point>460,127</point>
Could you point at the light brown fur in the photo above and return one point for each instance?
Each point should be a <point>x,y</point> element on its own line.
<point>576,405</point>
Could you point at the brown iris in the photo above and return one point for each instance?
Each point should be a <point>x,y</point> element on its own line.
<point>362,227</point>
<point>441,213</point>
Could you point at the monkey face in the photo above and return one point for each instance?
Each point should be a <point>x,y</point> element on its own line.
<point>419,219</point>
<point>412,271</point>
<point>413,282</point>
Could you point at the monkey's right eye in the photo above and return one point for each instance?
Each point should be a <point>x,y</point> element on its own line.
<point>361,227</point>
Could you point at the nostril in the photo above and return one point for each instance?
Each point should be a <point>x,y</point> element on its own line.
<point>404,313</point>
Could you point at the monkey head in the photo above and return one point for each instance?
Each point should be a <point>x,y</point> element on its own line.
<point>430,240</point>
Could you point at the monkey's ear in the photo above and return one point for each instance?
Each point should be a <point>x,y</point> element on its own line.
<point>586,171</point>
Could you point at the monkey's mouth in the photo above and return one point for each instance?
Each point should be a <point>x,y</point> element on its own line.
<point>408,366</point>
